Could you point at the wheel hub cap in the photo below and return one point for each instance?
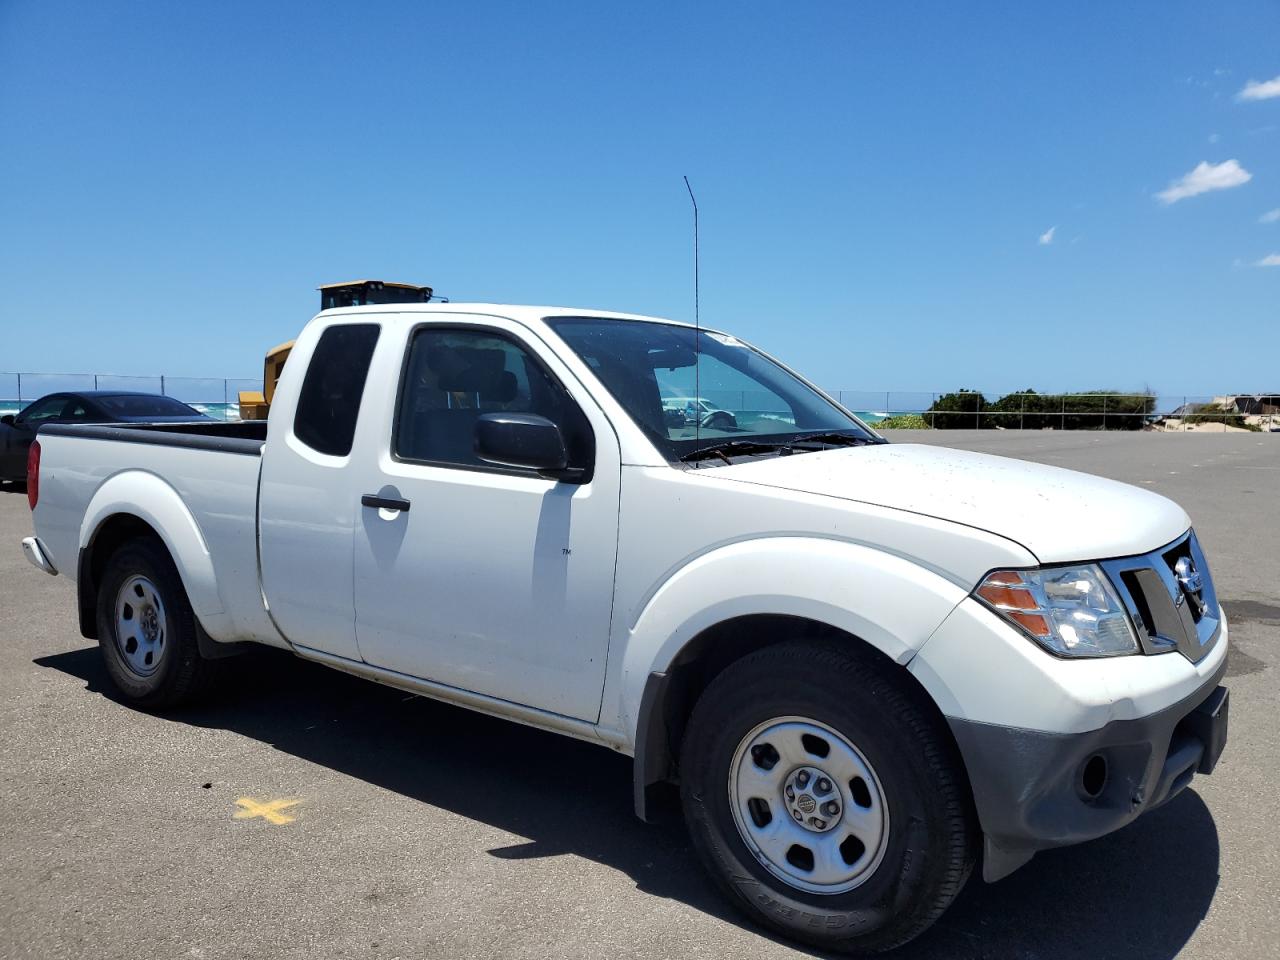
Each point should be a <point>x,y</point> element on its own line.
<point>808,805</point>
<point>150,624</point>
<point>812,799</point>
<point>140,625</point>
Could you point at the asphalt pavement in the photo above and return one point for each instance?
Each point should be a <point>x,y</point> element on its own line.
<point>305,813</point>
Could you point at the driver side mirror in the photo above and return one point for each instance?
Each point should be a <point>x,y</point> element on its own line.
<point>7,419</point>
<point>523,440</point>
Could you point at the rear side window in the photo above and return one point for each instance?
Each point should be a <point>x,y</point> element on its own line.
<point>142,405</point>
<point>330,400</point>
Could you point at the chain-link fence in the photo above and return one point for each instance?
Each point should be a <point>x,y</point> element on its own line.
<point>216,397</point>
<point>1030,410</point>
<point>978,410</point>
<point>960,409</point>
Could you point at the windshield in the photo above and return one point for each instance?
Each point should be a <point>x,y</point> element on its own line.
<point>734,392</point>
<point>145,405</point>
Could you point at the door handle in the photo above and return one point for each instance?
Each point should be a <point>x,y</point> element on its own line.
<point>384,503</point>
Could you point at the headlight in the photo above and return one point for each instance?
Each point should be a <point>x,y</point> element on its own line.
<point>1070,611</point>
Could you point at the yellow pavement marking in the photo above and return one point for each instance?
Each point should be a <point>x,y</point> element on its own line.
<point>269,811</point>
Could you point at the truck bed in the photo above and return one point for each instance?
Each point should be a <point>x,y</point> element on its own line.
<point>196,483</point>
<point>244,437</point>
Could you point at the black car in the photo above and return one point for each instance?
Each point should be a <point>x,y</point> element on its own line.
<point>92,406</point>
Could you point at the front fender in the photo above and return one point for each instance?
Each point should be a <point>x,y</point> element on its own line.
<point>149,498</point>
<point>885,600</point>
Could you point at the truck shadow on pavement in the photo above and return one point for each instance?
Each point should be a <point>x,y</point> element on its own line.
<point>1139,893</point>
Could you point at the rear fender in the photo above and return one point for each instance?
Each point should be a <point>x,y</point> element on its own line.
<point>152,500</point>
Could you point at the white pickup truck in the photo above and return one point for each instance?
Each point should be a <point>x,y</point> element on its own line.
<point>865,666</point>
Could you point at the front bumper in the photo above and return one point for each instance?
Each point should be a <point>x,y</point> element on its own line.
<point>1036,790</point>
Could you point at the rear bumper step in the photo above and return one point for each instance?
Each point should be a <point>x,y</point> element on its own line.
<point>38,556</point>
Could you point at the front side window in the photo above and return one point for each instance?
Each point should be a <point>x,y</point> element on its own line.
<point>684,399</point>
<point>329,403</point>
<point>46,408</point>
<point>454,376</point>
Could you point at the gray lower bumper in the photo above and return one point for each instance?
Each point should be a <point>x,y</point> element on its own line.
<point>37,555</point>
<point>1037,790</point>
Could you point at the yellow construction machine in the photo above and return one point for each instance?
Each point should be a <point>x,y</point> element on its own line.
<point>254,404</point>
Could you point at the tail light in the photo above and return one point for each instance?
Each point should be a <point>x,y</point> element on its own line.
<point>33,474</point>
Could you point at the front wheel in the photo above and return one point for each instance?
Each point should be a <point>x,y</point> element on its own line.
<point>147,630</point>
<point>825,798</point>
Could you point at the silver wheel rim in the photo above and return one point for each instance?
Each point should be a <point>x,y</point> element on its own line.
<point>808,805</point>
<point>140,626</point>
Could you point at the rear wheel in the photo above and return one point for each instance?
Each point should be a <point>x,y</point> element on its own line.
<point>825,799</point>
<point>147,630</point>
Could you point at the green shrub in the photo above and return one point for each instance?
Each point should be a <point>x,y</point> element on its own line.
<point>902,421</point>
<point>1027,409</point>
<point>962,410</point>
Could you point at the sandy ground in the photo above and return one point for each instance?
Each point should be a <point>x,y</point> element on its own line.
<point>421,830</point>
<point>1177,426</point>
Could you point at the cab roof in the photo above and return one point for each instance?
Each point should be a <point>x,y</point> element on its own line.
<point>523,312</point>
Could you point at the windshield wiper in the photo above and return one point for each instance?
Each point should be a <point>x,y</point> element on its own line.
<point>832,439</point>
<point>733,448</point>
<point>745,448</point>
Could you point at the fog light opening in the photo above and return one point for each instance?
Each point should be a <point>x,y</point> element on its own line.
<point>1093,778</point>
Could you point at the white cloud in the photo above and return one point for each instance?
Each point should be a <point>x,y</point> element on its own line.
<point>1214,138</point>
<point>1046,238</point>
<point>1260,90</point>
<point>1271,260</point>
<point>1205,177</point>
<point>1271,216</point>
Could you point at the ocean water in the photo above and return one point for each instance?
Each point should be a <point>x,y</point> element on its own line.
<point>219,411</point>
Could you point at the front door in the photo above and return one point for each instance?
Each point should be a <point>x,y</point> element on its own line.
<point>494,580</point>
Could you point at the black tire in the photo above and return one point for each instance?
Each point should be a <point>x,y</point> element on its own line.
<point>182,675</point>
<point>930,847</point>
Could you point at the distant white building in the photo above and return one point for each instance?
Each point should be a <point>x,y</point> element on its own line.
<point>1258,404</point>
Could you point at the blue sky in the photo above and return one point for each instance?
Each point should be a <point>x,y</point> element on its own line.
<point>874,180</point>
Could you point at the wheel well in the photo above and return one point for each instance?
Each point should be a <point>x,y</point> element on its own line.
<point>113,532</point>
<point>670,697</point>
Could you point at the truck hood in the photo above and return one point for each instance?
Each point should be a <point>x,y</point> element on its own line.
<point>1060,515</point>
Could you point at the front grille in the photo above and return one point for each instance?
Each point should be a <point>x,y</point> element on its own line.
<point>1170,598</point>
